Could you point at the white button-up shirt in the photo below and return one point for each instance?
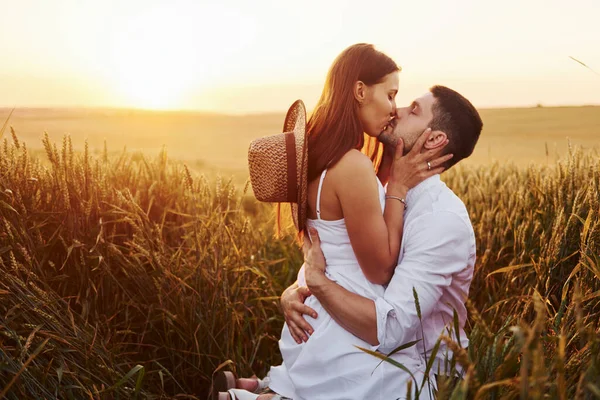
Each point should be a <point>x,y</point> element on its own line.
<point>437,258</point>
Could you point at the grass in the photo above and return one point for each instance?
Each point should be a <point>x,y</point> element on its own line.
<point>124,275</point>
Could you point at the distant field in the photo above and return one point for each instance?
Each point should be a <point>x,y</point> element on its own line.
<point>522,134</point>
<point>219,142</point>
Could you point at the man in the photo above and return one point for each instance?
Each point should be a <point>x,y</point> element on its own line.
<point>438,249</point>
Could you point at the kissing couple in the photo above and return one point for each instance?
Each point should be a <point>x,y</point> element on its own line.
<point>389,248</point>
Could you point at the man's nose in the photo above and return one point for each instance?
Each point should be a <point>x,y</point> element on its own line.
<point>401,111</point>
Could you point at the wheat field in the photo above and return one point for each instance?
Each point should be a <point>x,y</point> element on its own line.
<point>218,144</point>
<point>128,274</point>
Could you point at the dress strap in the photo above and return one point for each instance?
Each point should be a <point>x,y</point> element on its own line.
<point>319,193</point>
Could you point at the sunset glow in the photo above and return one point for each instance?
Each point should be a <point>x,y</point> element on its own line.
<point>238,56</point>
<point>162,56</point>
<point>152,64</point>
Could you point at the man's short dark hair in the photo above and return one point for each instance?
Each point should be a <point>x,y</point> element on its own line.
<point>454,115</point>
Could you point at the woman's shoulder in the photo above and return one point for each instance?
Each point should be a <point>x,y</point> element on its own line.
<point>355,159</point>
<point>353,164</point>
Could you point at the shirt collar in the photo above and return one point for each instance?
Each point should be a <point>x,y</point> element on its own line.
<point>422,187</point>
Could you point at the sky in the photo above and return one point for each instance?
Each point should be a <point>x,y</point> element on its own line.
<point>241,56</point>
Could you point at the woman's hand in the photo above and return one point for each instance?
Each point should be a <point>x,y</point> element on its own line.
<point>413,168</point>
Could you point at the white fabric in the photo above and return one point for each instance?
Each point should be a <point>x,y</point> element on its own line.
<point>437,258</point>
<point>329,366</point>
<point>241,394</point>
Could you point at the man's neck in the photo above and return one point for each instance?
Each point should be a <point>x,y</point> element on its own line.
<point>415,192</point>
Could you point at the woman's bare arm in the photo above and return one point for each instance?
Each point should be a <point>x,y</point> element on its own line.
<point>375,237</point>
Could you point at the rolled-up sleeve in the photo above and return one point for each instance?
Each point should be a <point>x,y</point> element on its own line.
<point>437,245</point>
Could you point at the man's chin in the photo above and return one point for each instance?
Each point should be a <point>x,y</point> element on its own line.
<point>388,139</point>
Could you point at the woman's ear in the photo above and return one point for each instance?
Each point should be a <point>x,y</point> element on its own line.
<point>436,139</point>
<point>360,92</point>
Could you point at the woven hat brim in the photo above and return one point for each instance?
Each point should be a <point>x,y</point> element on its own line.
<point>295,122</point>
<point>278,165</point>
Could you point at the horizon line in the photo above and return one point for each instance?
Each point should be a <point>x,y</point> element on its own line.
<point>250,113</point>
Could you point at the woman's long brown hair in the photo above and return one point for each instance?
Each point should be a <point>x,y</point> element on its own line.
<point>334,127</point>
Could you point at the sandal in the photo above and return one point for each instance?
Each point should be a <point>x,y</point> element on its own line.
<point>241,394</point>
<point>224,381</point>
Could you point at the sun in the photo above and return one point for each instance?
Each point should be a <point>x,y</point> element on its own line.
<point>152,60</point>
<point>165,55</point>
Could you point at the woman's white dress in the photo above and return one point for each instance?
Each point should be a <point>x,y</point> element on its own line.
<point>329,365</point>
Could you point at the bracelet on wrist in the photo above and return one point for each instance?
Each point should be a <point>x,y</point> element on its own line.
<point>400,199</point>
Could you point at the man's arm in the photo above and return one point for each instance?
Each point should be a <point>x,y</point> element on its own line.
<point>436,248</point>
<point>354,313</point>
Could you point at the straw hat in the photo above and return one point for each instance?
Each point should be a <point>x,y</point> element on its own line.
<point>279,165</point>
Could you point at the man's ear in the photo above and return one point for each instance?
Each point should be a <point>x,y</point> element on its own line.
<point>360,92</point>
<point>436,139</point>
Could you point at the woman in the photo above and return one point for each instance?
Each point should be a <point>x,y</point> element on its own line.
<point>359,226</point>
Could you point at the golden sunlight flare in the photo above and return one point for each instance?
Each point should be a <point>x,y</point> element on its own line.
<point>153,64</point>
<point>162,57</point>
